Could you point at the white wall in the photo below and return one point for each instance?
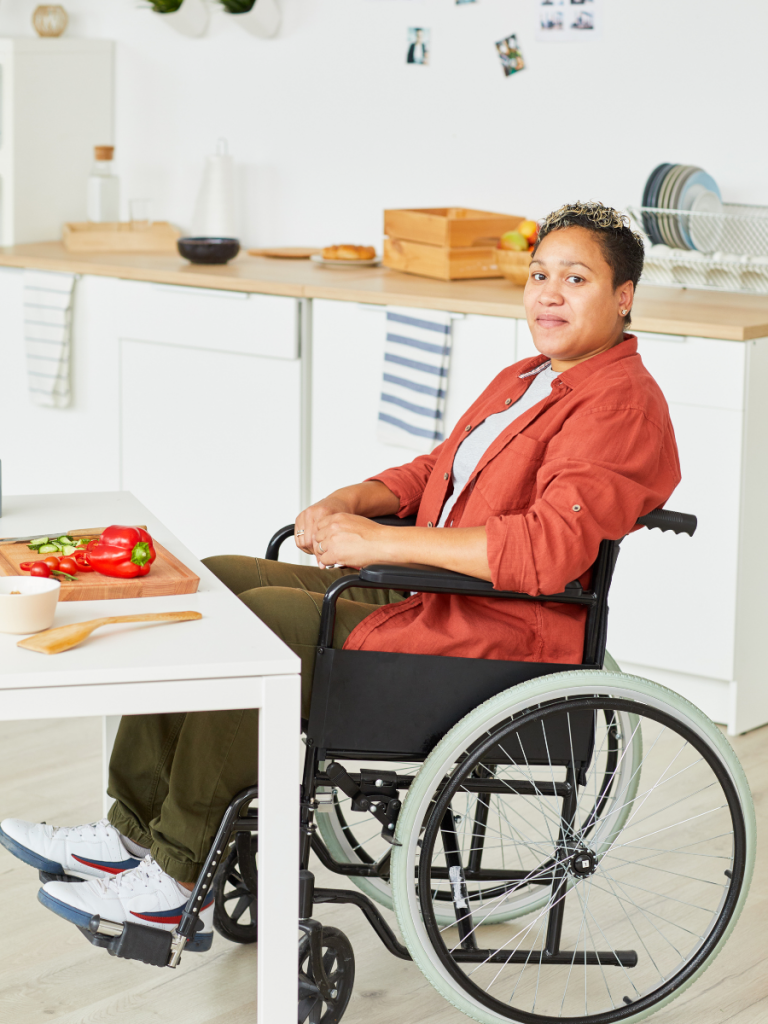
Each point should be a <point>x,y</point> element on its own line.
<point>329,126</point>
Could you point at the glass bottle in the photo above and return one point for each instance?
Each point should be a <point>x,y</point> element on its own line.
<point>103,187</point>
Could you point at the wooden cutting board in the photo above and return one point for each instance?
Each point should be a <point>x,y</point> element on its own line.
<point>167,576</point>
<point>285,253</point>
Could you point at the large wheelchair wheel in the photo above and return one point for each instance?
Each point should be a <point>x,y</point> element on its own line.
<point>612,779</point>
<point>632,915</point>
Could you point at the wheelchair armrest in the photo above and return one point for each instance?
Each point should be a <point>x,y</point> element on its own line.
<point>444,581</point>
<point>412,576</point>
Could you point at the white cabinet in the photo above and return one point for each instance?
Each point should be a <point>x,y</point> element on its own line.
<point>209,424</point>
<point>55,106</point>
<point>347,361</point>
<point>56,451</point>
<point>210,442</point>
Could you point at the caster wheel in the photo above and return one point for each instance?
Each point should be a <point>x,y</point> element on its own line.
<point>339,964</point>
<point>234,902</point>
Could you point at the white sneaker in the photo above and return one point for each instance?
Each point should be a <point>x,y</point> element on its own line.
<point>86,851</point>
<point>143,895</point>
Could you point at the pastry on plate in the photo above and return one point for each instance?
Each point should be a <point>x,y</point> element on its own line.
<point>349,252</point>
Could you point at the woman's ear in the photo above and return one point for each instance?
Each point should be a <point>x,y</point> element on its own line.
<point>625,295</point>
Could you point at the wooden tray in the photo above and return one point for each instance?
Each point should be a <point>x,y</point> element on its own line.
<point>87,236</point>
<point>442,263</point>
<point>449,226</point>
<point>167,576</point>
<point>289,253</point>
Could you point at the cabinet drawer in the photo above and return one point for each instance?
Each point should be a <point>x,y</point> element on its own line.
<point>696,371</point>
<point>207,318</point>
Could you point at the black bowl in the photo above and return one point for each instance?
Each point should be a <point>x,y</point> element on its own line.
<point>208,250</point>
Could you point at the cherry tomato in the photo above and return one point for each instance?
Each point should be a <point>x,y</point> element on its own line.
<point>52,562</point>
<point>40,569</point>
<point>68,564</point>
<point>82,565</point>
<point>26,566</point>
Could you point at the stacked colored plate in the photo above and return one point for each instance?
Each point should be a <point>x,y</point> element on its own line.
<point>681,188</point>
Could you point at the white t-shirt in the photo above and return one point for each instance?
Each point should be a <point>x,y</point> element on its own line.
<point>473,447</point>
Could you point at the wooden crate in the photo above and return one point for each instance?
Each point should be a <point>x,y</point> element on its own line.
<point>449,226</point>
<point>160,236</point>
<point>440,262</point>
<point>167,576</point>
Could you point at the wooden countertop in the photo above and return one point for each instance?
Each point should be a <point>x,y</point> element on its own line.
<point>702,314</point>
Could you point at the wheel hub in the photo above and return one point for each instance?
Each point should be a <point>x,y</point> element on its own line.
<point>583,863</point>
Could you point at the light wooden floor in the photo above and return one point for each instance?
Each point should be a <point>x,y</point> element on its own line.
<point>49,974</point>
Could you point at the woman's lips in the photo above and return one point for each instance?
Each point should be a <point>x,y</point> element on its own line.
<point>550,321</point>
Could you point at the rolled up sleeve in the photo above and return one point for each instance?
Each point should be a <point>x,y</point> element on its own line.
<point>598,476</point>
<point>408,482</point>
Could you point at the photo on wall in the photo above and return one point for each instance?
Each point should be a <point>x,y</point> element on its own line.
<point>562,21</point>
<point>418,46</point>
<point>510,55</point>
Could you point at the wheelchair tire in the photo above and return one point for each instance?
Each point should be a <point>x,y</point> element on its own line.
<point>348,840</point>
<point>234,903</point>
<point>708,859</point>
<point>339,966</point>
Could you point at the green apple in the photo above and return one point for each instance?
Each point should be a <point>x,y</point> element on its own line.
<point>513,240</point>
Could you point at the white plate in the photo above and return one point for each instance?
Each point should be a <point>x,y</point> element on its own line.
<point>345,264</point>
<point>706,232</point>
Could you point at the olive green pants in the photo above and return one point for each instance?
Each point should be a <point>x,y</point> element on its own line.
<point>172,776</point>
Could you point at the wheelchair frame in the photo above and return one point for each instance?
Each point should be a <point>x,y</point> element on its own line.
<point>436,692</point>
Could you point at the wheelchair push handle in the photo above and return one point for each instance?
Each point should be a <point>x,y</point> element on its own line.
<point>664,519</point>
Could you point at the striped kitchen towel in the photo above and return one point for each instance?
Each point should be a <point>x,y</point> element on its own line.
<point>417,352</point>
<point>47,335</point>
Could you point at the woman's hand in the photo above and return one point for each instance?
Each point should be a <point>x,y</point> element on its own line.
<point>344,539</point>
<point>307,521</point>
<point>371,498</point>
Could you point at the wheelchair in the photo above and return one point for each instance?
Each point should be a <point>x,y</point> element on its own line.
<point>557,841</point>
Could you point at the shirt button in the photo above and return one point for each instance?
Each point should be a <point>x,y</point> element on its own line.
<point>445,476</point>
<point>468,427</point>
<point>576,508</point>
<point>507,401</point>
<point>429,524</point>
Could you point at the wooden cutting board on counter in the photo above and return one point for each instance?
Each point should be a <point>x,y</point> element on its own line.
<point>167,576</point>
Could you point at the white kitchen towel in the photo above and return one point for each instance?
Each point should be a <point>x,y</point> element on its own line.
<point>48,336</point>
<point>417,353</point>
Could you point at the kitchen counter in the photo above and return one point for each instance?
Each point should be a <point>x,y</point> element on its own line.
<point>724,315</point>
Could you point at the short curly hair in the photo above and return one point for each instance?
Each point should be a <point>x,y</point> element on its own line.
<point>622,247</point>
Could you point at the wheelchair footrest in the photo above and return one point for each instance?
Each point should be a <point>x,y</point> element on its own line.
<point>132,941</point>
<point>47,876</point>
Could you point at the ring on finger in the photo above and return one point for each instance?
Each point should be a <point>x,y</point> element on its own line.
<point>320,548</point>
<point>299,533</point>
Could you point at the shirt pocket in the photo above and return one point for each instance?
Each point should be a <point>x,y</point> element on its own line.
<point>508,482</point>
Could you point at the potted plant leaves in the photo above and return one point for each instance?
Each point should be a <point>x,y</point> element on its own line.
<point>259,17</point>
<point>190,17</point>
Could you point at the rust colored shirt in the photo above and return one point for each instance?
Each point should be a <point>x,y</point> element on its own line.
<point>579,467</point>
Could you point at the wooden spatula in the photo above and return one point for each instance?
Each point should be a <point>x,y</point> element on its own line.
<point>54,641</point>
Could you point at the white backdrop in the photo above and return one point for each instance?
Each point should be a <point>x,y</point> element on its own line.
<point>329,125</point>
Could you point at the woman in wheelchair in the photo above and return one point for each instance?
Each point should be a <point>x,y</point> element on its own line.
<point>561,453</point>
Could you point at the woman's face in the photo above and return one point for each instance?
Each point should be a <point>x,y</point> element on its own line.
<point>570,301</point>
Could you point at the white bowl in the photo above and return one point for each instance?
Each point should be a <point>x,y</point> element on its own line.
<point>33,608</point>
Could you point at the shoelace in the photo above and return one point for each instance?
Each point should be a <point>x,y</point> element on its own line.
<point>140,876</point>
<point>80,830</point>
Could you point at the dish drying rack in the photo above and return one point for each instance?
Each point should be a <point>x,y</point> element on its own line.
<point>731,248</point>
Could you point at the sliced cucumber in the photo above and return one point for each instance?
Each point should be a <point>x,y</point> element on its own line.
<point>48,549</point>
<point>68,549</point>
<point>35,544</point>
<point>66,541</point>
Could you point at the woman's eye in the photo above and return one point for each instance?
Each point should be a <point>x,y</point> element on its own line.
<point>575,278</point>
<point>538,276</point>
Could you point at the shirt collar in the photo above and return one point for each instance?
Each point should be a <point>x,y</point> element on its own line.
<point>626,347</point>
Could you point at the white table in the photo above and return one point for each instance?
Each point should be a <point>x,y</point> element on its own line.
<point>228,659</point>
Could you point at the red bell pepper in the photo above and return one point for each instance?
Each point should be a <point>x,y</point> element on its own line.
<point>122,551</point>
